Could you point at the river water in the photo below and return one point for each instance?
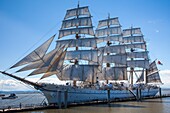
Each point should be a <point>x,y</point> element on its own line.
<point>160,105</point>
<point>146,106</point>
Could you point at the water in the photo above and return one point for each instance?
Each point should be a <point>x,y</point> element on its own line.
<point>146,106</point>
<point>25,99</point>
<point>160,105</point>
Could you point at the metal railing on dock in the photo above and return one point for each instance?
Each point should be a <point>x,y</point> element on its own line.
<point>7,108</point>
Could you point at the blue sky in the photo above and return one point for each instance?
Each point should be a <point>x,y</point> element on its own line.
<point>25,23</point>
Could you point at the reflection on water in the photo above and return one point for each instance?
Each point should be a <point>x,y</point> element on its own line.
<point>146,106</point>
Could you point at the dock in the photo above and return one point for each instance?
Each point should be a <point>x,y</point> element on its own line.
<point>8,109</point>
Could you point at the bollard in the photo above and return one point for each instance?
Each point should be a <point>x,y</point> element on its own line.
<point>59,99</point>
<point>65,98</point>
<point>108,96</point>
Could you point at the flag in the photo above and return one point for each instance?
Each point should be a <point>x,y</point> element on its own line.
<point>159,62</point>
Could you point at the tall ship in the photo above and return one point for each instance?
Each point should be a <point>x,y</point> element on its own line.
<point>92,62</point>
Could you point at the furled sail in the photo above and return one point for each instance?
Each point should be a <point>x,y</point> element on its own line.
<point>36,55</point>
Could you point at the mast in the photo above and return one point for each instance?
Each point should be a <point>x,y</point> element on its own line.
<point>108,42</point>
<point>137,55</point>
<point>114,57</point>
<point>82,63</point>
<point>146,71</point>
<point>131,68</point>
<point>77,34</point>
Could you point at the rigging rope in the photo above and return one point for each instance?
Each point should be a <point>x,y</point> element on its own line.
<point>96,15</point>
<point>28,86</point>
<point>52,28</point>
<point>2,79</point>
<point>22,98</point>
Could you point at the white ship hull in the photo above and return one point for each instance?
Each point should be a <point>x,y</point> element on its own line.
<point>56,94</point>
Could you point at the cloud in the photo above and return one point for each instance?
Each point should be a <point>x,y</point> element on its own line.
<point>157,31</point>
<point>9,83</point>
<point>165,77</point>
<point>47,80</point>
<point>165,72</point>
<point>151,21</point>
<point>14,85</point>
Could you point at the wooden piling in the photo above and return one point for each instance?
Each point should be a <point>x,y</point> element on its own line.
<point>160,92</point>
<point>59,99</point>
<point>140,94</point>
<point>108,96</point>
<point>137,94</point>
<point>65,98</point>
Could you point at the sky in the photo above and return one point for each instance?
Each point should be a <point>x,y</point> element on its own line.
<point>25,24</point>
